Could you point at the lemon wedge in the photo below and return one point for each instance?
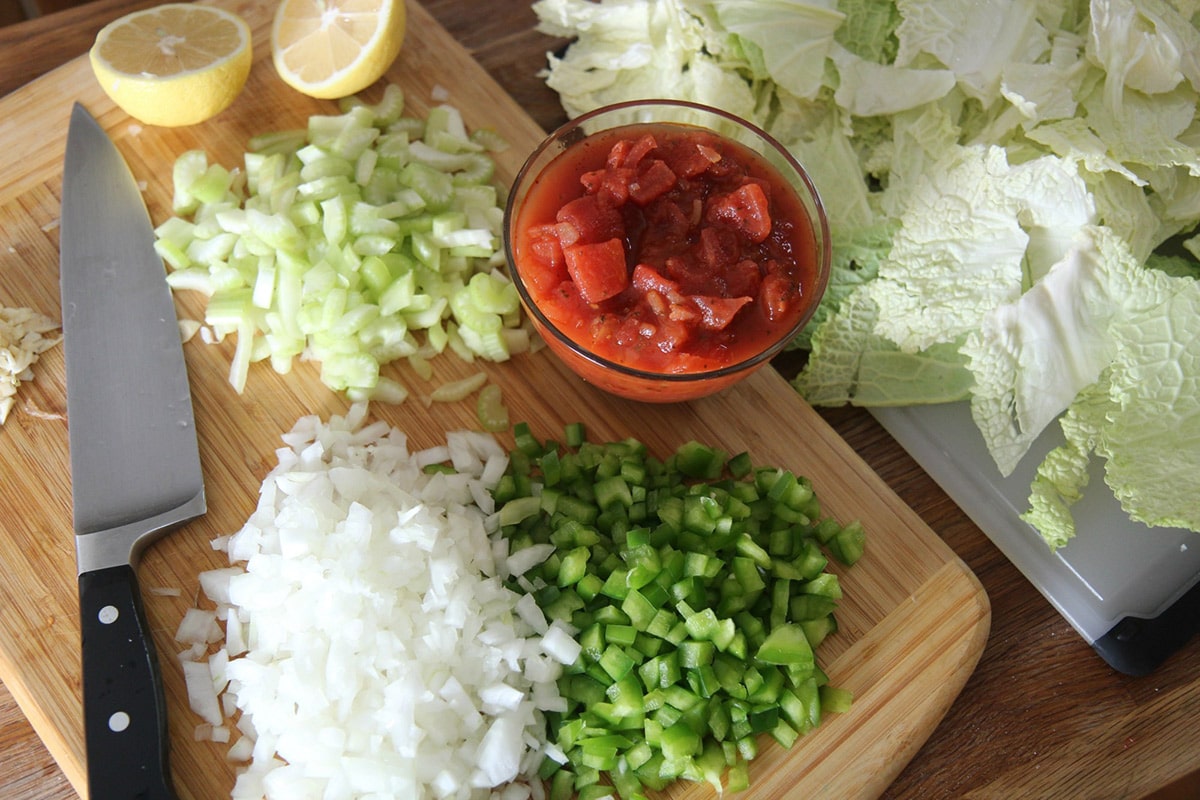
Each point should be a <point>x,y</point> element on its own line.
<point>335,48</point>
<point>174,64</point>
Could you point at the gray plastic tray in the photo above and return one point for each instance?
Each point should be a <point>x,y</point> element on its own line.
<point>1113,569</point>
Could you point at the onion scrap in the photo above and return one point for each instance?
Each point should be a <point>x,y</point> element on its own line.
<point>22,340</point>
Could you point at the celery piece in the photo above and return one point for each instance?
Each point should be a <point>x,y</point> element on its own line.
<point>456,390</point>
<point>490,410</point>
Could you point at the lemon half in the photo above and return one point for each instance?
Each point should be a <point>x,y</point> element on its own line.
<point>335,48</point>
<point>173,64</point>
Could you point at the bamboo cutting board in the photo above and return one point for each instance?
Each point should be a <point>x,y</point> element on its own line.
<point>914,620</point>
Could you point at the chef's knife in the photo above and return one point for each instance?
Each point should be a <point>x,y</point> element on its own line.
<point>135,465</point>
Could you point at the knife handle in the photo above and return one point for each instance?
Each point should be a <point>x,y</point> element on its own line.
<point>124,715</point>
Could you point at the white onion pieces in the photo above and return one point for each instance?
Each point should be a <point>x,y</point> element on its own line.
<point>371,646</point>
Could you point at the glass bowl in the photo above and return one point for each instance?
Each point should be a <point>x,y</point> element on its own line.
<point>650,328</point>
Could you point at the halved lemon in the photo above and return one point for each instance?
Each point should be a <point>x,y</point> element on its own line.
<point>174,64</point>
<point>335,48</point>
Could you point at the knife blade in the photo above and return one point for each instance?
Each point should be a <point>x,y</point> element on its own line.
<point>135,463</point>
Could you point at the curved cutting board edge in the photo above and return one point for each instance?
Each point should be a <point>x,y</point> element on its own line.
<point>913,622</point>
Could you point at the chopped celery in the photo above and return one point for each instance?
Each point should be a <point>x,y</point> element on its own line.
<point>698,588</point>
<point>457,390</point>
<point>354,237</point>
<point>490,409</point>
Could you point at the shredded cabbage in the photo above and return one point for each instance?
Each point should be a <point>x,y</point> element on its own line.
<point>1013,190</point>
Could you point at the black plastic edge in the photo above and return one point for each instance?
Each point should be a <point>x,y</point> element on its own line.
<point>1137,646</point>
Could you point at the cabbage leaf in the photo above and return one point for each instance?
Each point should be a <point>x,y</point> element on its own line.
<point>1142,416</point>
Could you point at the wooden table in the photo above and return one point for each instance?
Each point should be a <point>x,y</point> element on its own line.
<point>1043,715</point>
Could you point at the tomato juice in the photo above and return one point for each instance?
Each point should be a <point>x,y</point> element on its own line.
<point>667,248</point>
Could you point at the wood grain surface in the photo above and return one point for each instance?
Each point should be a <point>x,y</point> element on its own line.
<point>1042,716</point>
<point>912,628</point>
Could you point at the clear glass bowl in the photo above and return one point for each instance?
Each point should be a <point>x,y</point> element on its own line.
<point>610,374</point>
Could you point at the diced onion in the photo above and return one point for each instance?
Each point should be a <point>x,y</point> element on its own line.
<point>372,649</point>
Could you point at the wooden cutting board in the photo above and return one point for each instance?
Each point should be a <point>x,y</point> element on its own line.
<point>914,620</point>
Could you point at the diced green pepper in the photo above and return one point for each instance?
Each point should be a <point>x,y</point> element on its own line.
<point>786,644</point>
<point>679,742</point>
<point>847,545</point>
<point>698,590</point>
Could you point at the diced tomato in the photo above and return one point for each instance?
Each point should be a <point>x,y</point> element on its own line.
<point>629,153</point>
<point>742,278</point>
<point>689,158</point>
<point>692,276</point>
<point>745,209</point>
<point>542,278</point>
<point>717,312</point>
<point>654,179</point>
<point>718,247</point>
<point>598,269</point>
<point>611,184</point>
<point>546,248</point>
<point>545,229</point>
<point>592,218</point>
<point>546,267</point>
<point>616,156</point>
<point>669,222</point>
<point>629,331</point>
<point>762,184</point>
<point>564,307</point>
<point>672,335</point>
<point>775,296</point>
<point>646,279</point>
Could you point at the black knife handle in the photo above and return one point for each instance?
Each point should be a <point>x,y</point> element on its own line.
<point>125,719</point>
